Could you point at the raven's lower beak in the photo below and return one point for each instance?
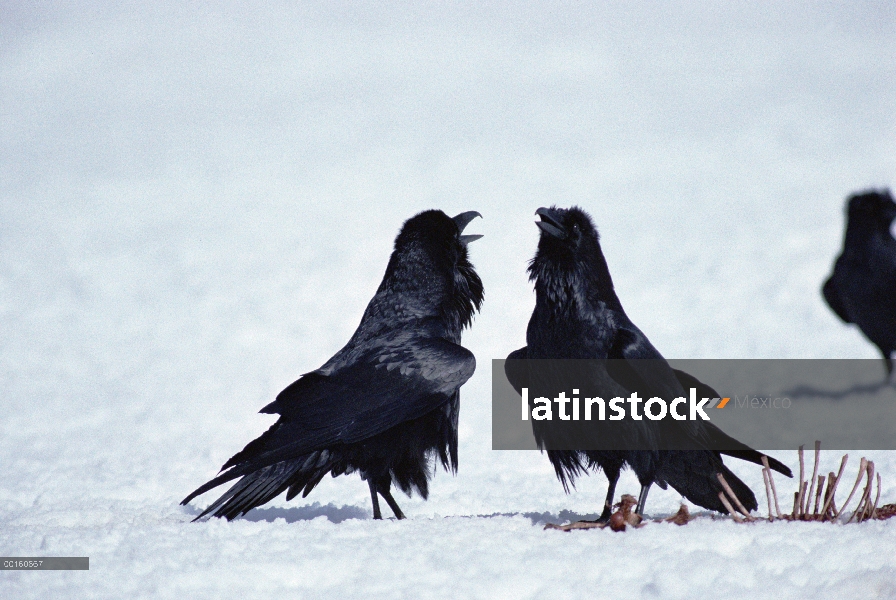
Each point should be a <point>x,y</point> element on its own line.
<point>549,223</point>
<point>462,220</point>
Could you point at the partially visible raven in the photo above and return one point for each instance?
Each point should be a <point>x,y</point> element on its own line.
<point>578,316</point>
<point>862,288</point>
<point>387,403</point>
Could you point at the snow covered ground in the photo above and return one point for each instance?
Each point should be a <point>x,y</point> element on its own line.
<point>197,203</point>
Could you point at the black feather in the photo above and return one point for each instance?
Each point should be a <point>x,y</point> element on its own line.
<point>386,404</point>
<point>862,288</point>
<point>579,316</point>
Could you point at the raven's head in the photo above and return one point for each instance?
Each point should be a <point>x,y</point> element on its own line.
<point>871,209</point>
<point>570,231</point>
<point>431,269</point>
<point>569,258</point>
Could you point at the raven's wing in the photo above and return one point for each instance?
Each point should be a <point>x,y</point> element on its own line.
<point>401,381</point>
<point>549,376</point>
<point>691,469</point>
<point>651,376</point>
<point>832,297</point>
<point>405,379</point>
<point>638,366</point>
<point>515,369</point>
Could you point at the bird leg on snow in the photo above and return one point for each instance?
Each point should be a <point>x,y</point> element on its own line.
<point>607,512</point>
<point>620,519</point>
<point>385,493</point>
<point>642,499</point>
<point>888,364</point>
<point>625,503</point>
<point>383,490</point>
<point>375,500</point>
<point>608,502</point>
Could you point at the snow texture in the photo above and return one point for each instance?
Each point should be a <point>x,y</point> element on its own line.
<point>197,201</point>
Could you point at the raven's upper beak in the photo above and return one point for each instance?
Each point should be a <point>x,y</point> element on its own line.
<point>549,223</point>
<point>462,220</point>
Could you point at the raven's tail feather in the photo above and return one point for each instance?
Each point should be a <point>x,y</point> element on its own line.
<point>694,474</point>
<point>263,485</point>
<point>742,451</point>
<point>719,438</point>
<point>754,456</point>
<point>222,478</point>
<point>568,466</point>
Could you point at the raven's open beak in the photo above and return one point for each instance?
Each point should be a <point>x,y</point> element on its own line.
<point>462,220</point>
<point>549,223</point>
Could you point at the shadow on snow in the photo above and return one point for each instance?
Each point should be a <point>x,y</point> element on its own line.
<point>338,514</point>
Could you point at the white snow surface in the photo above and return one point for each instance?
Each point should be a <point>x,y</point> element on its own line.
<point>197,202</point>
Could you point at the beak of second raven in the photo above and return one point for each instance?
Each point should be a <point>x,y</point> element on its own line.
<point>549,223</point>
<point>462,220</point>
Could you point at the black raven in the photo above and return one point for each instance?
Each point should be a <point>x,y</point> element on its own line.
<point>862,288</point>
<point>387,403</point>
<point>578,316</point>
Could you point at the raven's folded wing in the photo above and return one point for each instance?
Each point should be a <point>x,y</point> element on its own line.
<point>400,381</point>
<point>549,376</point>
<point>515,369</point>
<point>638,366</point>
<point>832,297</point>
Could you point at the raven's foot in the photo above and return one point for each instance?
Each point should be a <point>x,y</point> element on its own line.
<point>382,488</point>
<point>618,521</point>
<point>597,524</point>
<point>385,493</point>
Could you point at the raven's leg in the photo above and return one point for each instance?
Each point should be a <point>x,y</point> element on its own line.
<point>608,503</point>
<point>888,359</point>
<point>604,518</point>
<point>611,468</point>
<point>373,498</point>
<point>387,495</point>
<point>642,499</point>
